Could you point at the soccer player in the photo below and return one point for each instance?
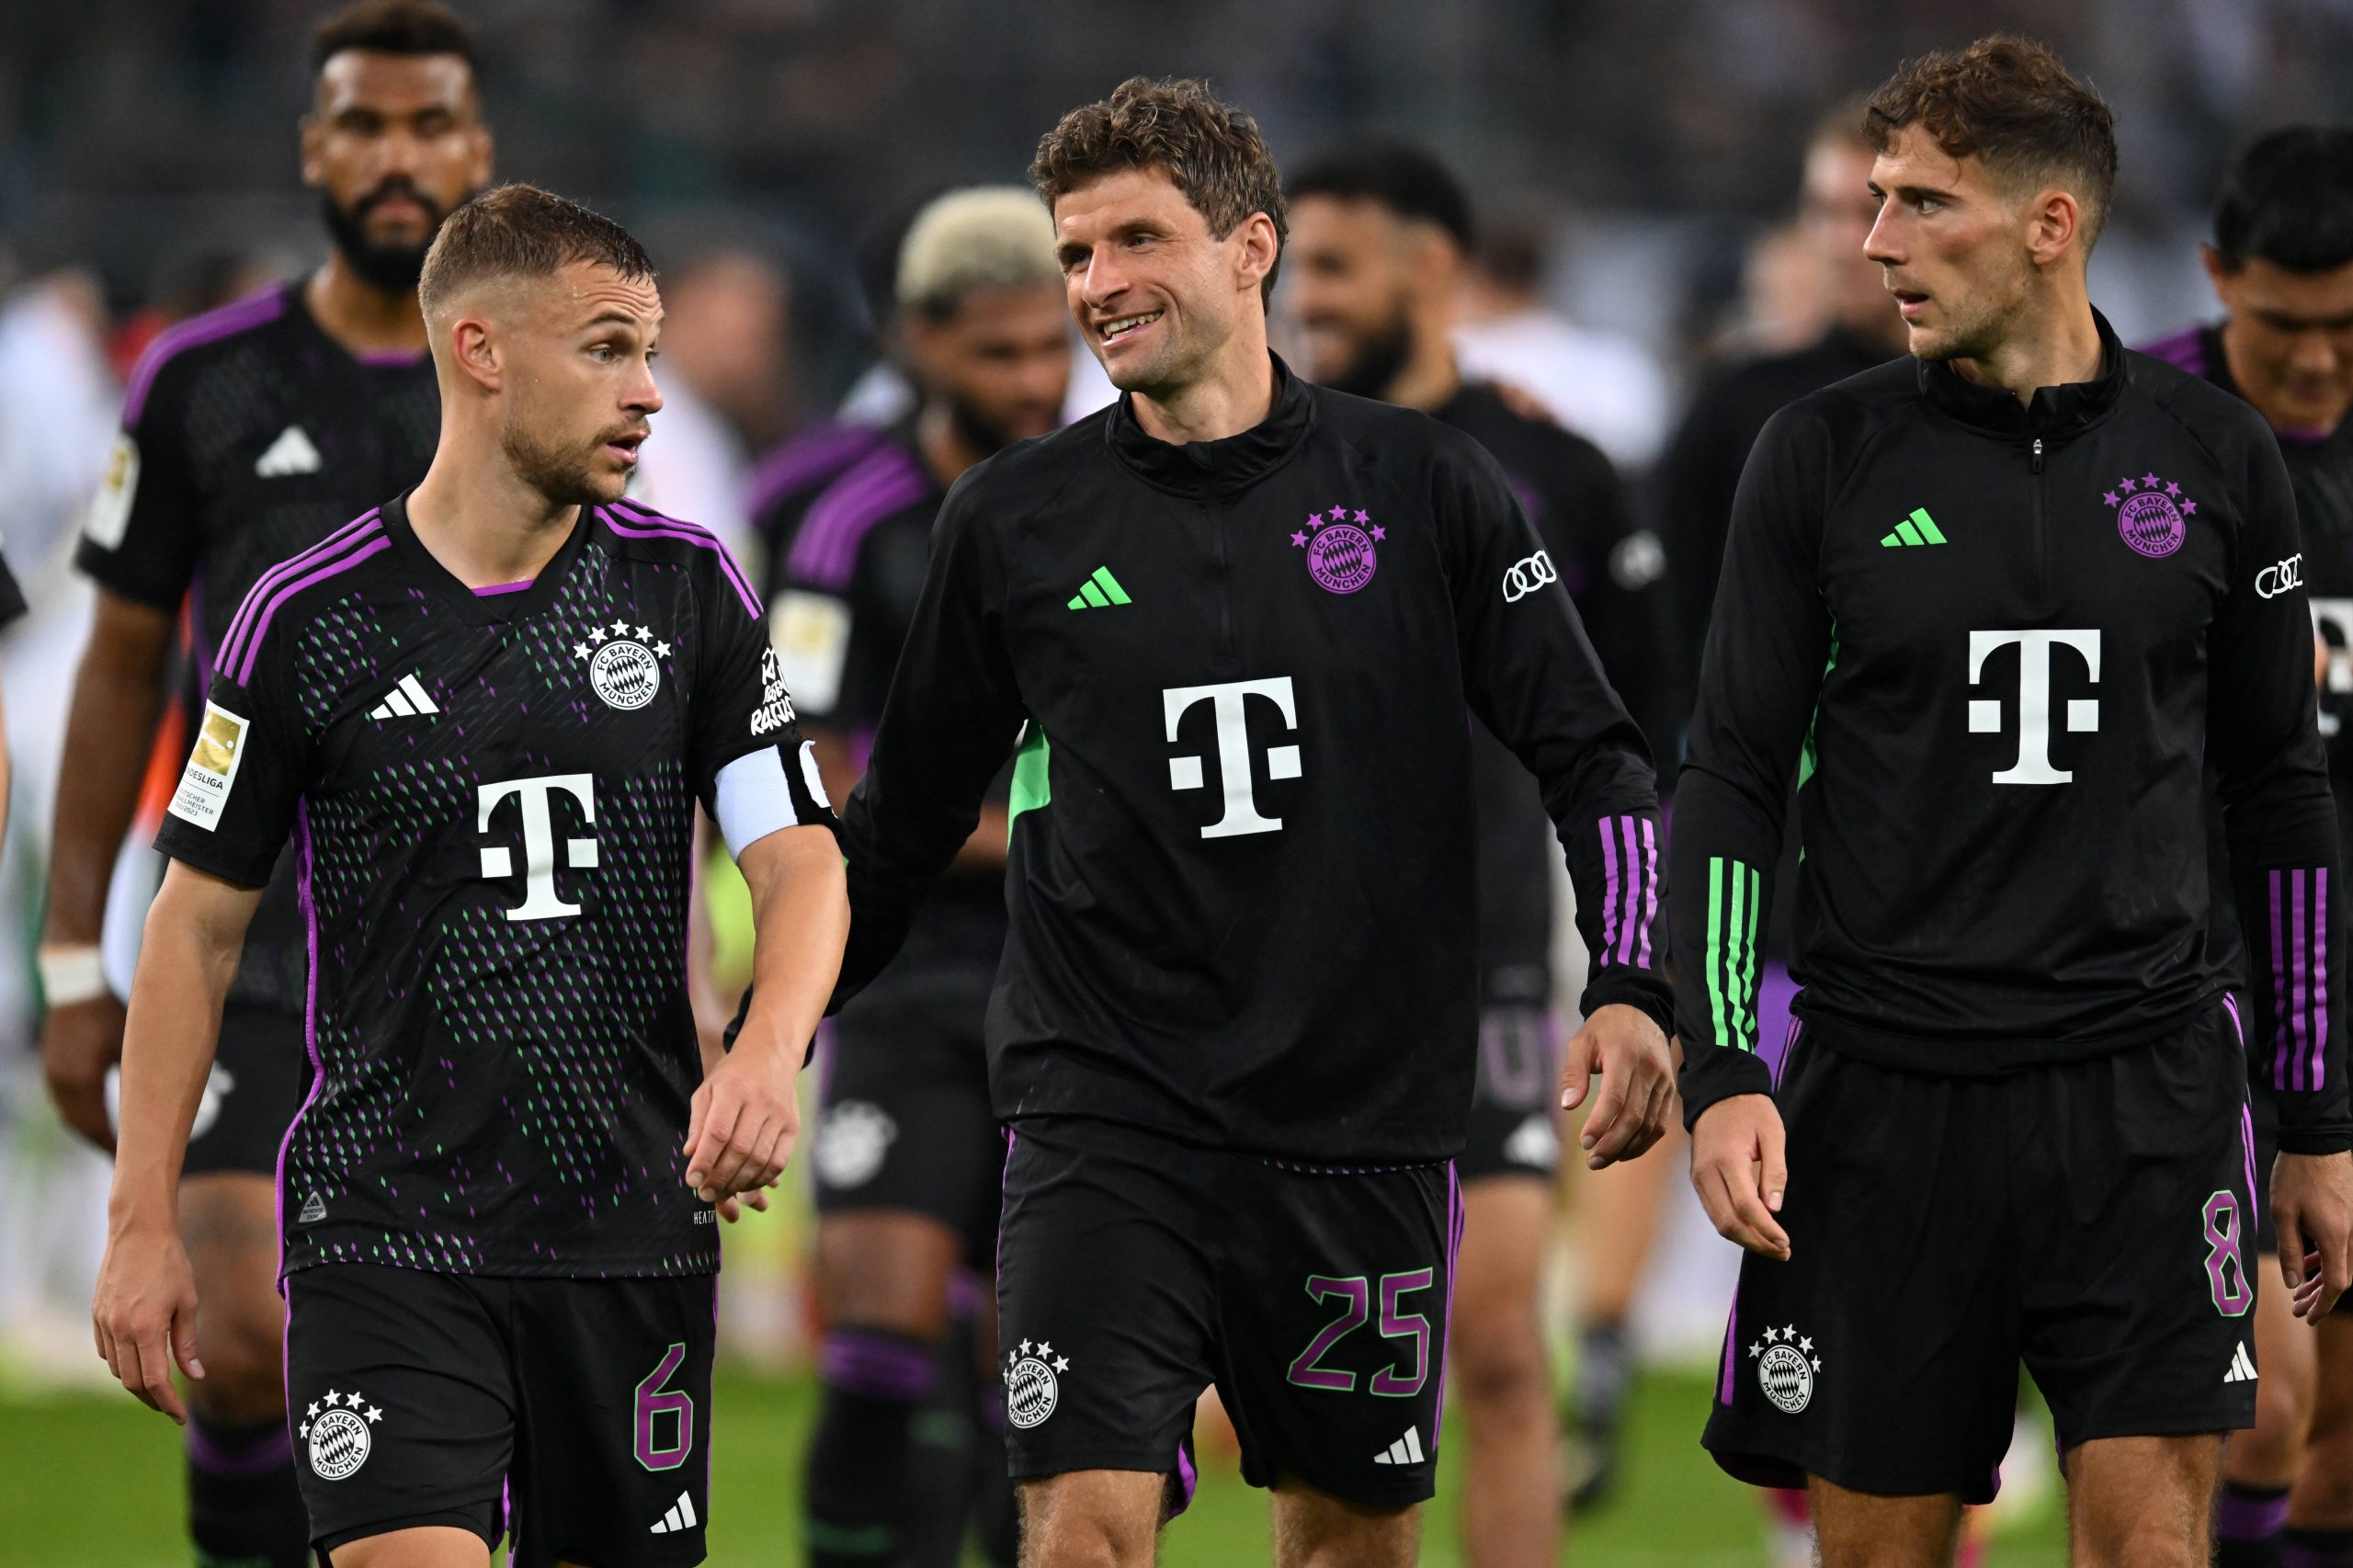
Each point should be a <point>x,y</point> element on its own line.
<point>907,1153</point>
<point>2281,262</point>
<point>250,434</point>
<point>1995,605</point>
<point>485,712</point>
<point>1234,621</point>
<point>1378,231</point>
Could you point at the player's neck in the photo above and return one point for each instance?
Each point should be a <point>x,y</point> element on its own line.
<point>1429,378</point>
<point>2054,343</point>
<point>361,317</point>
<point>1235,395</point>
<point>483,522</point>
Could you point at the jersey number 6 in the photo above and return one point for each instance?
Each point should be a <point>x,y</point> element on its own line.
<point>653,1404</point>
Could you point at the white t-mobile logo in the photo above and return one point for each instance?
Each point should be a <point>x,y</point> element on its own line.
<point>2033,765</point>
<point>540,900</point>
<point>1230,701</point>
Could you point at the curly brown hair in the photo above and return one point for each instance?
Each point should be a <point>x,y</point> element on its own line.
<point>2009,101</point>
<point>1210,150</point>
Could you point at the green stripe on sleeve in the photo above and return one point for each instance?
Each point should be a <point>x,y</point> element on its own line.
<point>1715,945</point>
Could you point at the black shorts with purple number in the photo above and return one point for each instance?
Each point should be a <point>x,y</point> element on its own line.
<point>574,1413</point>
<point>1134,1271</point>
<point>2089,1219</point>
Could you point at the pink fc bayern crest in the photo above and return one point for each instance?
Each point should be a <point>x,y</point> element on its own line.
<point>2151,514</point>
<point>1339,545</point>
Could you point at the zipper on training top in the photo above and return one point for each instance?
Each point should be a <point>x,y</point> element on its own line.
<point>2042,548</point>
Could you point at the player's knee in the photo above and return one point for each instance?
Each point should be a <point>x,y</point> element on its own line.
<point>1500,1372</point>
<point>2283,1420</point>
<point>1066,1524</point>
<point>242,1347</point>
<point>2154,1539</point>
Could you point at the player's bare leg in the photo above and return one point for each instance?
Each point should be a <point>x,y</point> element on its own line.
<point>2143,1502</point>
<point>2319,1509</point>
<point>883,1285</point>
<point>1511,1500</point>
<point>1619,1212</point>
<point>1092,1519</point>
<point>2259,1465</point>
<point>229,1224</point>
<point>426,1546</point>
<point>1859,1530</point>
<point>1315,1530</point>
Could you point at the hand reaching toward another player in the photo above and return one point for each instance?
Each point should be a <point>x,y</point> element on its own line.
<point>1740,1169</point>
<point>144,1315</point>
<point>1624,1049</point>
<point>2311,1202</point>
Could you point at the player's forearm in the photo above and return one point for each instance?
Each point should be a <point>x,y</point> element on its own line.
<point>1726,846</point>
<point>2292,912</point>
<point>801,921</point>
<point>186,960</point>
<point>109,729</point>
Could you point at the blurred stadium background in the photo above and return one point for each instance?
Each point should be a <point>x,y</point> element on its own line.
<point>1638,161</point>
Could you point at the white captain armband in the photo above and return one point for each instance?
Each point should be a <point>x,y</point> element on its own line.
<point>755,796</point>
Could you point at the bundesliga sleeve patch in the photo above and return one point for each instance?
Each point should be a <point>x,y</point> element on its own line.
<point>211,768</point>
<point>812,633</point>
<point>110,512</point>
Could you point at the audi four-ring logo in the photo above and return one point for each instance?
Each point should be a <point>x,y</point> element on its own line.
<point>1526,576</point>
<point>2273,581</point>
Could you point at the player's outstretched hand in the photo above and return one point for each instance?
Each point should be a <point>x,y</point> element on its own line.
<point>144,1315</point>
<point>1626,1050</point>
<point>745,1120</point>
<point>732,1209</point>
<point>1740,1168</point>
<point>79,1044</point>
<point>2311,1203</point>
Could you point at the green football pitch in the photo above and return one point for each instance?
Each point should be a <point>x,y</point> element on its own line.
<point>94,1481</point>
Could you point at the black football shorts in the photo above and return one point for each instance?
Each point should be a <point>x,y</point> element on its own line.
<point>1513,1128</point>
<point>574,1413</point>
<point>259,1072</point>
<point>2089,1219</point>
<point>903,1119</point>
<point>1135,1271</point>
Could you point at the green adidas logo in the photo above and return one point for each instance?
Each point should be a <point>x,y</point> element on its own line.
<point>1101,592</point>
<point>1917,528</point>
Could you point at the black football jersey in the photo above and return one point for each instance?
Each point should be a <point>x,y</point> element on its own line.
<point>491,798</point>
<point>248,435</point>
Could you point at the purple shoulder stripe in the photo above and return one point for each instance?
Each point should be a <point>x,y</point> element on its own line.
<point>2184,351</point>
<point>245,314</point>
<point>808,459</point>
<point>280,572</point>
<point>825,553</point>
<point>630,520</point>
<point>371,540</point>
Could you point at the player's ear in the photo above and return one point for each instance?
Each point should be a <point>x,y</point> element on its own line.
<point>1258,251</point>
<point>475,350</point>
<point>2054,220</point>
<point>485,147</point>
<point>314,136</point>
<point>2216,273</point>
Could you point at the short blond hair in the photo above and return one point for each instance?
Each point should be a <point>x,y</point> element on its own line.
<point>988,236</point>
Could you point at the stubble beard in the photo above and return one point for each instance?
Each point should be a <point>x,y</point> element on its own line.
<point>564,476</point>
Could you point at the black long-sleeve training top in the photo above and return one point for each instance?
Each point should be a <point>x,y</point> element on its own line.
<point>1241,674</point>
<point>1993,642</point>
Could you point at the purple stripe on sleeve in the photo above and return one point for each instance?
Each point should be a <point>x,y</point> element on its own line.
<point>2321,975</point>
<point>807,459</point>
<point>825,550</point>
<point>2279,992</point>
<point>250,312</point>
<point>1633,923</point>
<point>658,527</point>
<point>309,909</point>
<point>2185,349</point>
<point>2297,978</point>
<point>350,532</point>
<point>1611,901</point>
<point>1650,891</point>
<point>250,653</point>
<point>1732,1345</point>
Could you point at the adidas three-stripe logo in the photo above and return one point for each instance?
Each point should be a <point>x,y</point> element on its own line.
<point>1099,592</point>
<point>1917,528</point>
<point>1406,1450</point>
<point>405,700</point>
<point>681,1517</point>
<point>2241,1366</point>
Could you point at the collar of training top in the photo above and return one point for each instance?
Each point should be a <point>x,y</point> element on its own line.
<point>2055,412</point>
<point>1216,468</point>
